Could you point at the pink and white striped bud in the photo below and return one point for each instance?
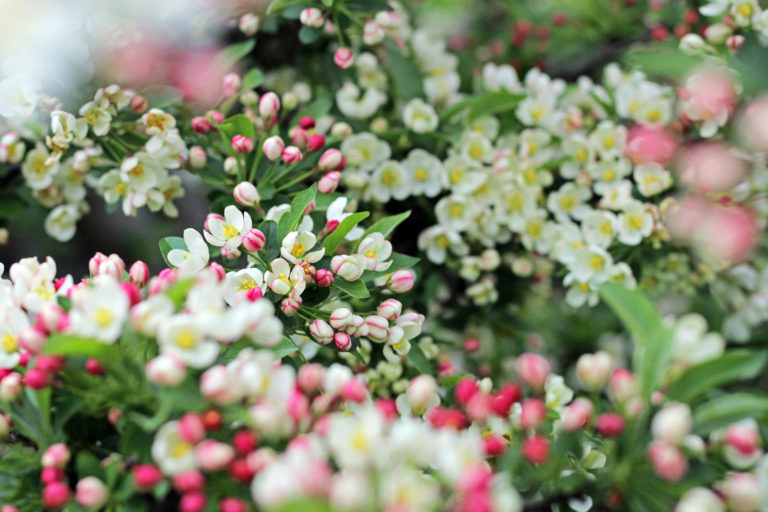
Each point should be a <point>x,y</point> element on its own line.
<point>248,24</point>
<point>341,130</point>
<point>49,316</point>
<point>734,43</point>
<point>321,331</point>
<point>343,58</point>
<point>342,341</point>
<point>290,305</point>
<point>593,370</point>
<point>191,428</point>
<point>231,84</point>
<point>532,413</point>
<point>56,456</point>
<point>577,414</point>
<point>310,376</point>
<point>197,157</point>
<point>354,325</point>
<point>11,386</point>
<point>139,103</point>
<point>166,370</point>
<point>269,105</point>
<point>533,369</point>
<point>390,309</point>
<point>91,493</point>
<point>316,142</point>
<point>373,34</point>
<point>350,267</point>
<point>623,385</point>
<point>254,240</point>
<point>113,266</point>
<point>743,440</point>
<point>139,273</point>
<point>231,166</point>
<point>743,492</point>
<point>32,339</point>
<point>421,393</point>
<point>340,318</point>
<point>669,463</point>
<point>230,254</point>
<point>215,116</point>
<point>312,17</point>
<point>213,456</point>
<point>201,125</point>
<point>297,406</point>
<point>292,155</point>
<point>246,194</point>
<point>672,423</point>
<point>299,136</point>
<point>95,261</point>
<point>242,144</point>
<point>323,277</point>
<point>273,147</point>
<point>330,160</point>
<point>217,385</point>
<point>218,270</point>
<point>378,328</point>
<point>401,281</point>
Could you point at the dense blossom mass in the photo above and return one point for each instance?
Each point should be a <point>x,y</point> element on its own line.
<point>437,270</point>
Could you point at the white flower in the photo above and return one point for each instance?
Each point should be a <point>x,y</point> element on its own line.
<point>66,128</point>
<point>652,179</point>
<point>296,246</point>
<point>579,293</point>
<point>354,439</point>
<point>148,315</point>
<point>241,282</point>
<point>569,201</point>
<point>476,147</point>
<point>621,274</point>
<point>61,222</point>
<point>18,96</point>
<point>141,172</point>
<point>38,169</point>
<point>635,223</point>
<point>426,173</point>
<point>171,453</point>
<point>350,267</point>
<point>437,240</point>
<point>537,234</point>
<point>264,328</point>
<point>195,258</point>
<point>336,212</point>
<point>181,336</point>
<point>97,117</point>
<point>228,232</point>
<point>13,320</point>
<point>169,149</point>
<point>420,116</point>
<point>500,77</point>
<point>278,211</point>
<point>462,175</point>
<point>610,170</point>
<point>353,104</point>
<point>599,228</point>
<point>456,212</point>
<point>365,151</point>
<point>99,311</point>
<point>282,280</point>
<point>158,122</point>
<point>608,140</point>
<point>615,196</point>
<point>390,180</point>
<point>33,282</point>
<point>376,251</point>
<point>591,265</point>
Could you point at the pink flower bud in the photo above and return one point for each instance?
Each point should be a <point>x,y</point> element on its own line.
<point>533,369</point>
<point>307,122</point>
<point>343,58</point>
<point>114,415</point>
<point>94,262</point>
<point>37,378</point>
<point>201,124</point>
<point>216,385</point>
<point>312,17</point>
<point>91,492</point>
<point>744,437</point>
<point>93,367</point>
<point>378,328</point>
<point>289,306</point>
<point>139,273</point>
<point>340,318</point>
<point>197,157</point>
<point>213,456</point>
<point>269,105</point>
<point>668,462</point>
<point>209,218</point>
<point>593,370</point>
<point>609,424</point>
<point>536,449</point>
<point>246,194</point>
<point>321,331</point>
<point>323,277</point>
<point>215,116</point>
<point>577,414</point>
<point>217,269</point>
<point>273,147</point>
<point>331,225</point>
<point>354,390</point>
<point>32,339</point>
<point>188,481</point>
<point>56,456</point>
<point>193,502</point>
<point>230,84</point>
<point>49,316</point>
<point>401,281</point>
<point>743,492</point>
<point>711,167</point>
<point>48,475</point>
<point>242,144</point>
<point>139,103</point>
<point>420,393</point>
<point>672,423</point>
<point>248,24</point>
<point>310,377</point>
<point>623,385</point>
<point>316,142</point>
<point>649,144</point>
<point>494,445</point>
<point>167,370</point>
<point>10,387</point>
<point>330,160</point>
<point>297,406</point>
<point>191,428</point>
<point>230,165</point>
<point>465,389</point>
<point>329,182</point>
<point>532,413</point>
<point>299,137</point>
<point>56,495</point>
<point>232,505</point>
<point>254,240</point>
<point>752,125</point>
<point>292,155</point>
<point>342,341</point>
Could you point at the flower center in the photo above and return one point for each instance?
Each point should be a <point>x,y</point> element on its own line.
<point>103,317</point>
<point>298,250</point>
<point>421,174</point>
<point>185,339</point>
<point>9,343</point>
<point>230,231</point>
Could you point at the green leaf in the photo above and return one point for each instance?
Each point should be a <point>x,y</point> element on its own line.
<point>316,109</point>
<point>404,72</point>
<point>644,322</point>
<point>238,124</point>
<point>233,53</point>
<point>285,347</point>
<point>386,225</point>
<point>169,243</point>
<point>71,345</point>
<point>494,102</point>
<point>252,79</point>
<point>177,292</point>
<point>333,240</point>
<point>724,410</point>
<point>279,5</point>
<point>302,505</point>
<point>290,220</point>
<point>356,289</point>
<point>418,360</point>
<point>161,96</point>
<point>272,243</point>
<point>734,365</point>
<point>308,35</point>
